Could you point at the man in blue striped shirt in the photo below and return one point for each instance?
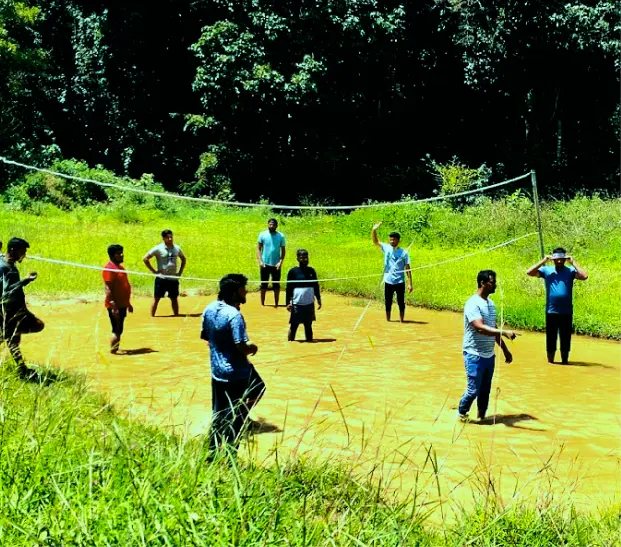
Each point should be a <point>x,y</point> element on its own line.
<point>480,336</point>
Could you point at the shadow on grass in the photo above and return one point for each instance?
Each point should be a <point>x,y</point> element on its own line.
<point>510,420</point>
<point>44,377</point>
<point>411,321</point>
<point>257,427</point>
<point>182,315</point>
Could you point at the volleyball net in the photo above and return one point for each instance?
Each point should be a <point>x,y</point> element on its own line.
<point>221,237</point>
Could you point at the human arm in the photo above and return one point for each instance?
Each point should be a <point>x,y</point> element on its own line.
<point>374,235</point>
<point>505,349</point>
<point>580,273</point>
<point>408,272</point>
<point>283,251</point>
<point>8,289</point>
<point>110,297</point>
<point>240,337</point>
<point>486,330</point>
<point>533,271</point>
<point>247,349</point>
<point>183,262</point>
<point>317,290</point>
<point>289,289</point>
<point>259,254</point>
<point>147,262</point>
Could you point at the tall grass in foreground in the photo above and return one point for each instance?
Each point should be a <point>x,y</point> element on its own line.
<point>223,240</point>
<point>73,472</point>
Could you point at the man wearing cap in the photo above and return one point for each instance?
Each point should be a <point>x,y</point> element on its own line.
<point>559,280</point>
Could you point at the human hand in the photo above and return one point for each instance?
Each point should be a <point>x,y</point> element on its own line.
<point>130,308</point>
<point>511,335</point>
<point>32,276</point>
<point>278,265</point>
<point>261,265</point>
<point>410,288</point>
<point>508,357</point>
<point>289,307</point>
<point>377,225</point>
<point>319,305</point>
<point>253,349</point>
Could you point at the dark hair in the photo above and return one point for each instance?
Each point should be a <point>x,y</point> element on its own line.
<point>273,220</point>
<point>396,235</point>
<point>229,285</point>
<point>559,250</point>
<point>483,277</point>
<point>17,244</point>
<point>301,252</point>
<point>113,249</point>
<point>166,233</point>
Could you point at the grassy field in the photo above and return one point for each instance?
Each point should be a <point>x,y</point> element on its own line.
<point>223,240</point>
<point>74,473</point>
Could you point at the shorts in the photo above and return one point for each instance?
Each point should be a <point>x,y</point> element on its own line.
<point>117,322</point>
<point>267,272</point>
<point>19,322</point>
<point>165,285</point>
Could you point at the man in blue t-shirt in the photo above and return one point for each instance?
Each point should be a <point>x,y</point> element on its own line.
<point>271,255</point>
<point>236,387</point>
<point>559,280</point>
<point>396,265</point>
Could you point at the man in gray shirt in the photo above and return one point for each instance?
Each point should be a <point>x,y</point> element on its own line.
<point>480,336</point>
<point>166,254</point>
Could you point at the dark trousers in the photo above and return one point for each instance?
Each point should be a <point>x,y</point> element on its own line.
<point>399,290</point>
<point>231,403</point>
<point>13,325</point>
<point>558,326</point>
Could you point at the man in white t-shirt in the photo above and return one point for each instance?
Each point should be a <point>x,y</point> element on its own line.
<point>167,280</point>
<point>480,336</point>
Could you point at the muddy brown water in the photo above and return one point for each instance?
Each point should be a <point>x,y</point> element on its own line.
<point>383,396</point>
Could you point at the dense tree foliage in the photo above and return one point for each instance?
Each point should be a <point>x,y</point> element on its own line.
<point>341,99</point>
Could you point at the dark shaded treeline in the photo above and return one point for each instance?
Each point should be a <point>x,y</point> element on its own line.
<point>338,99</point>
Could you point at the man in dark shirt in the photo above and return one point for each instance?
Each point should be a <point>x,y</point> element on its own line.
<point>301,296</point>
<point>236,386</point>
<point>15,318</point>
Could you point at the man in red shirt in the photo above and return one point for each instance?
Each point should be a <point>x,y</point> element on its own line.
<point>118,294</point>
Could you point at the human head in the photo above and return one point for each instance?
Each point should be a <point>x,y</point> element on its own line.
<point>115,252</point>
<point>394,238</point>
<point>560,253</point>
<point>302,256</point>
<point>167,236</point>
<point>272,224</point>
<point>16,248</point>
<point>233,289</point>
<point>486,280</point>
